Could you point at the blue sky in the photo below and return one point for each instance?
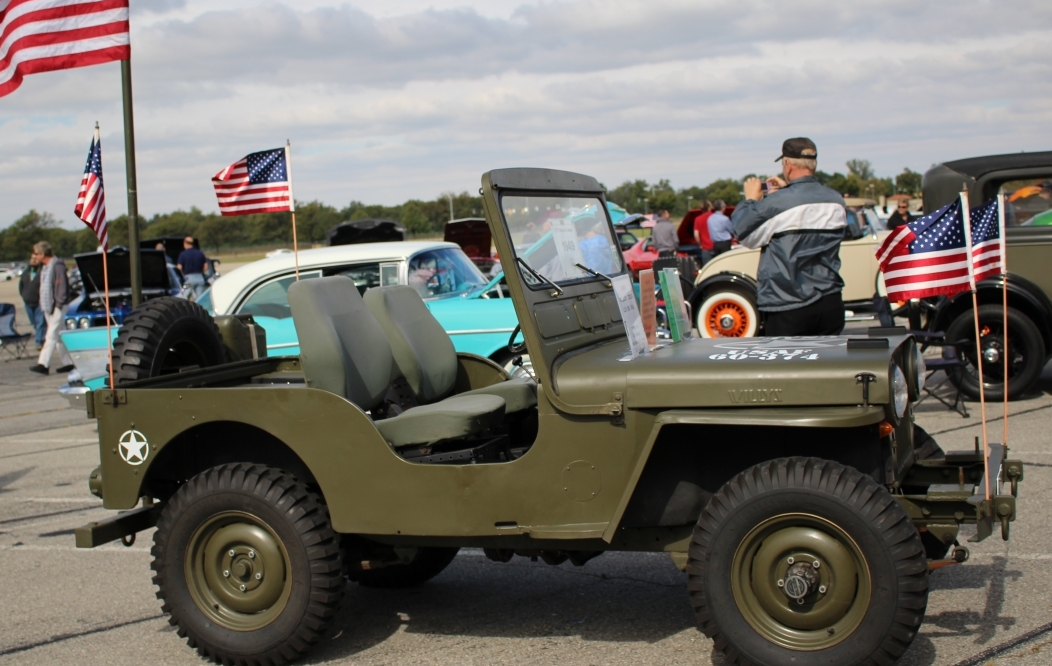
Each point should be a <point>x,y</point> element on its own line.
<point>385,101</point>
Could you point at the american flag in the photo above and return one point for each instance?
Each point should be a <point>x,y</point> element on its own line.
<point>987,249</point>
<point>47,35</point>
<point>91,202</point>
<point>927,257</point>
<point>258,183</point>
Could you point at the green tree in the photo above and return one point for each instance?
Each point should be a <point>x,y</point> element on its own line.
<point>631,195</point>
<point>414,219</point>
<point>908,182</point>
<point>861,168</point>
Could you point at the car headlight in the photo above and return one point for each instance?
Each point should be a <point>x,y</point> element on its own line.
<point>920,370</point>
<point>84,322</point>
<point>71,324</point>
<point>900,391</point>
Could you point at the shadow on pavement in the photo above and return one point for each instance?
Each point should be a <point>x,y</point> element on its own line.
<point>520,599</point>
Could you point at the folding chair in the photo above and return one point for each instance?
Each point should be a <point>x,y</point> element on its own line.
<point>9,337</point>
<point>950,361</point>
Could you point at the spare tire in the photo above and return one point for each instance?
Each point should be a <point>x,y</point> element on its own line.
<point>163,336</point>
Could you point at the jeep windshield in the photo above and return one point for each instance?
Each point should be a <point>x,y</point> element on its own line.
<point>555,234</point>
<point>443,273</point>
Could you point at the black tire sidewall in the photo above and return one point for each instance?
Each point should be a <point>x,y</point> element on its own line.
<point>199,626</point>
<point>198,333</point>
<point>1020,327</point>
<point>148,333</point>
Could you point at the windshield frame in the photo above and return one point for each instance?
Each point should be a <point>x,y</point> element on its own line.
<point>527,280</point>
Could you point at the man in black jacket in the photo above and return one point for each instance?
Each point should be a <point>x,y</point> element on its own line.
<point>29,290</point>
<point>798,226</point>
<point>901,215</point>
<point>54,299</point>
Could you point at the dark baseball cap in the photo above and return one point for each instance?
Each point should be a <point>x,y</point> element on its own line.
<point>800,147</point>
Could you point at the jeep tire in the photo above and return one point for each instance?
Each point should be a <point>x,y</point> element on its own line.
<point>163,336</point>
<point>758,593</point>
<point>247,565</point>
<point>1026,350</point>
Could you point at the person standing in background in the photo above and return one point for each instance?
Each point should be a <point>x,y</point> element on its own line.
<point>29,290</point>
<point>721,231</point>
<point>664,234</point>
<point>701,232</point>
<point>901,215</point>
<point>54,299</point>
<point>798,224</point>
<point>191,263</point>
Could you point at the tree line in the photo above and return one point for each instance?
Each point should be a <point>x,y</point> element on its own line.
<point>314,218</point>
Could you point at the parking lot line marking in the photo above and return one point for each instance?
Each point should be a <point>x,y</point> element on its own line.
<point>990,420</point>
<point>58,638</point>
<point>986,654</point>
<point>33,453</point>
<point>107,548</point>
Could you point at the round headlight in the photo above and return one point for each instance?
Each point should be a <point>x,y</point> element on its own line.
<point>920,370</point>
<point>71,324</point>
<point>84,322</point>
<point>900,391</point>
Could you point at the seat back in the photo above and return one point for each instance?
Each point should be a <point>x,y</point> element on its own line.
<point>422,349</point>
<point>342,347</point>
<point>7,321</point>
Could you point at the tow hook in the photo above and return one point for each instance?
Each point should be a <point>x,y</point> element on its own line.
<point>959,555</point>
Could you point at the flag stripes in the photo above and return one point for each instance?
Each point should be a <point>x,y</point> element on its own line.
<point>932,256</point>
<point>47,35</point>
<point>257,183</point>
<point>91,201</point>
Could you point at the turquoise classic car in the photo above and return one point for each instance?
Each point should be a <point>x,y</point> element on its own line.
<point>475,310</point>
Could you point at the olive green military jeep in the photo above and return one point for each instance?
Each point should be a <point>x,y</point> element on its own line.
<point>784,475</point>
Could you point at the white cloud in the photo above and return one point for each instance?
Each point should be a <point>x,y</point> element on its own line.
<point>386,101</point>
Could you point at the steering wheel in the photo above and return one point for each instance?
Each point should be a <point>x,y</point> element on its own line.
<point>516,348</point>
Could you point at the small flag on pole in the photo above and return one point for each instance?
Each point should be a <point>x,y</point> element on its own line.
<point>91,201</point>
<point>987,258</point>
<point>257,183</point>
<point>47,35</point>
<point>927,257</point>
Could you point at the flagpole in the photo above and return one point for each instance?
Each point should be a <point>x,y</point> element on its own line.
<point>1004,294</point>
<point>106,290</point>
<point>133,195</point>
<point>292,207</point>
<point>978,342</point>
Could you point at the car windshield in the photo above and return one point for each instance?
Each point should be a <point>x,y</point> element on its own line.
<point>443,273</point>
<point>555,234</point>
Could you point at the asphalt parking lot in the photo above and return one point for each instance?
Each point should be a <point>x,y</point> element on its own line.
<point>97,606</point>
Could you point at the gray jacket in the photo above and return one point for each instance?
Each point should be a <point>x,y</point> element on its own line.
<point>799,229</point>
<point>59,284</point>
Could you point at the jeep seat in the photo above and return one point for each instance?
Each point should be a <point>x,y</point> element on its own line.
<point>344,350</point>
<point>424,353</point>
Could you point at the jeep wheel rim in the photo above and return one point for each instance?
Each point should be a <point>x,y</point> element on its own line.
<point>785,597</point>
<point>727,319</point>
<point>238,571</point>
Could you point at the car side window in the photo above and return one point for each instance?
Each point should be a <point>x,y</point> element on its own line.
<point>1028,202</point>
<point>365,276</point>
<point>271,299</point>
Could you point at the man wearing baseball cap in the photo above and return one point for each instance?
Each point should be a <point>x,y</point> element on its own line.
<point>798,225</point>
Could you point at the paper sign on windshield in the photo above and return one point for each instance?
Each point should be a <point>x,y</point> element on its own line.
<point>648,305</point>
<point>564,234</point>
<point>626,303</point>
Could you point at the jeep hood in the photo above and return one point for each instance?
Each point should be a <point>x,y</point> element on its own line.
<point>741,372</point>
